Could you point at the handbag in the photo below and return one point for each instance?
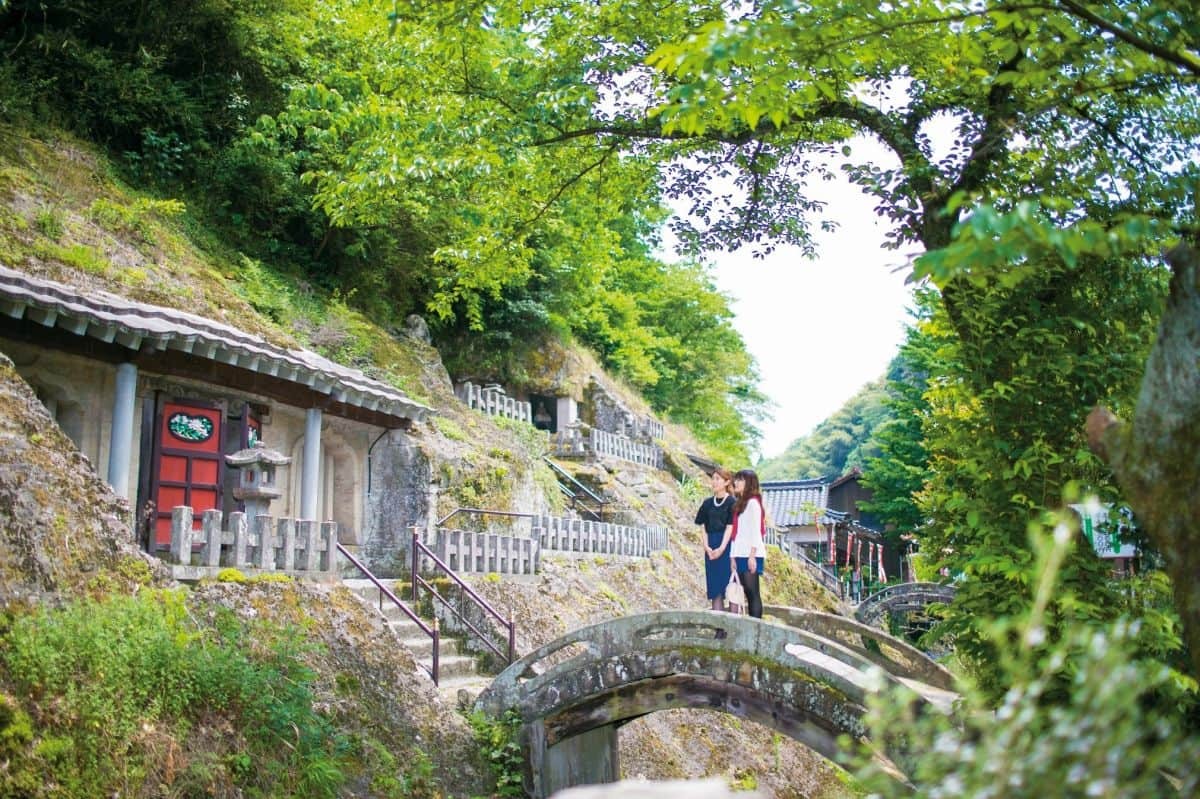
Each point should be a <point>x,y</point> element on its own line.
<point>734,593</point>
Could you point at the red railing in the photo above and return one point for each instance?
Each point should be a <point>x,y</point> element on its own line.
<point>419,549</point>
<point>432,632</point>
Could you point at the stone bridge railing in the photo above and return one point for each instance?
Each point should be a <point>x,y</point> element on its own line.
<point>573,692</point>
<point>603,538</point>
<point>902,597</point>
<point>267,544</point>
<point>580,441</point>
<point>895,656</point>
<point>494,401</point>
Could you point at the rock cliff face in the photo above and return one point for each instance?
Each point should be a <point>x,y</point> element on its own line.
<point>60,524</point>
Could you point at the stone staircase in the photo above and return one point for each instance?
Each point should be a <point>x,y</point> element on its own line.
<point>459,681</point>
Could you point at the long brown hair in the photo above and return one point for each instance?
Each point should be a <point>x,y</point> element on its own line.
<point>750,488</point>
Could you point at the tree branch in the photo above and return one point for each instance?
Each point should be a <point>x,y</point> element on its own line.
<point>1156,457</point>
<point>562,189</point>
<point>1187,61</point>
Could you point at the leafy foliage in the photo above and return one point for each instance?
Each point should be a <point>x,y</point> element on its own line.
<point>1086,712</point>
<point>100,677</point>
<point>401,167</point>
<point>499,739</point>
<point>896,476</point>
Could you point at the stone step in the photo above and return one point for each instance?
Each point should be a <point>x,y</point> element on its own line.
<point>454,669</point>
<point>421,646</point>
<point>451,666</point>
<point>406,628</point>
<point>369,591</point>
<point>462,691</point>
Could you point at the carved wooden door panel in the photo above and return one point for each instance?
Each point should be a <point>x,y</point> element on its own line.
<point>188,462</point>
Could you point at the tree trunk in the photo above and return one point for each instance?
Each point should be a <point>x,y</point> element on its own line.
<point>1156,457</point>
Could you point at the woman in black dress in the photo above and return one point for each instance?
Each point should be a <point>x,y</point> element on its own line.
<point>714,516</point>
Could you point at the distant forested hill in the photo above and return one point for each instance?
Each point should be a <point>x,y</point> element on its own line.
<point>844,440</point>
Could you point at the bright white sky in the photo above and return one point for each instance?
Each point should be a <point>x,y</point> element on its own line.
<point>819,329</point>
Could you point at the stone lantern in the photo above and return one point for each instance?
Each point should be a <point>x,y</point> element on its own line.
<point>257,485</point>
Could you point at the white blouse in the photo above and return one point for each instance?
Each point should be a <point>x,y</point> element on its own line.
<point>749,532</point>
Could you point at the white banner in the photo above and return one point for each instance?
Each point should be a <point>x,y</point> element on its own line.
<point>1103,532</point>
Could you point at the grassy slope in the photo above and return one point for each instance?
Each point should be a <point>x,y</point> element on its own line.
<point>64,214</point>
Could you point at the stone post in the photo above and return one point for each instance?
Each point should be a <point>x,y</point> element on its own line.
<point>121,440</point>
<point>241,540</point>
<point>328,546</point>
<point>210,555</point>
<point>181,535</point>
<point>311,468</point>
<point>286,536</point>
<point>310,532</point>
<point>265,554</point>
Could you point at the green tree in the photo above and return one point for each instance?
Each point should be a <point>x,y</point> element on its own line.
<point>896,476</point>
<point>1091,110</point>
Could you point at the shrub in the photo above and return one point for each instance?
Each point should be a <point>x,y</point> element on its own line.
<point>1084,716</point>
<point>101,675</point>
<point>500,742</point>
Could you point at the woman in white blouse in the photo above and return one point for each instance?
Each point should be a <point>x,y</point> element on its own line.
<point>745,538</point>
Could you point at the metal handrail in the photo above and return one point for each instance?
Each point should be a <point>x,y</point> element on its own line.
<point>432,631</point>
<point>564,473</point>
<point>418,547</point>
<point>483,512</point>
<point>598,513</point>
<point>830,581</point>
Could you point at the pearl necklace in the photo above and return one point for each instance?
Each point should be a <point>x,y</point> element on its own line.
<point>719,502</point>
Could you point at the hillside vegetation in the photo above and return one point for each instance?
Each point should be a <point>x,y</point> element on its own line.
<point>324,154</point>
<point>838,444</point>
<point>318,171</point>
<point>86,614</point>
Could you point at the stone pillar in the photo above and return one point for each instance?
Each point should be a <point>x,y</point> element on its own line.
<point>121,442</point>
<point>566,412</point>
<point>431,498</point>
<point>589,758</point>
<point>311,468</point>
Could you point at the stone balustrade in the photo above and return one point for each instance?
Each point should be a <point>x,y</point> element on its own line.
<point>626,449</point>
<point>774,537</point>
<point>555,533</point>
<point>264,544</point>
<point>652,428</point>
<point>467,552</point>
<point>579,441</point>
<point>494,401</point>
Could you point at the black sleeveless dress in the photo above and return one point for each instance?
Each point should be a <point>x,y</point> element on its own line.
<point>715,518</point>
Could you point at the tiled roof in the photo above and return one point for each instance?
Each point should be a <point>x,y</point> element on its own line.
<point>853,474</point>
<point>786,500</point>
<point>140,327</point>
<point>844,522</point>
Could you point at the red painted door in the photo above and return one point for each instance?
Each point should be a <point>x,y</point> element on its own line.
<point>189,463</point>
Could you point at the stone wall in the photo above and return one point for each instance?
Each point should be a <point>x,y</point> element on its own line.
<point>397,498</point>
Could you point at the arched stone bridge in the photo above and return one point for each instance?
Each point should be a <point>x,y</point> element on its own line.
<point>807,678</point>
<point>902,597</point>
